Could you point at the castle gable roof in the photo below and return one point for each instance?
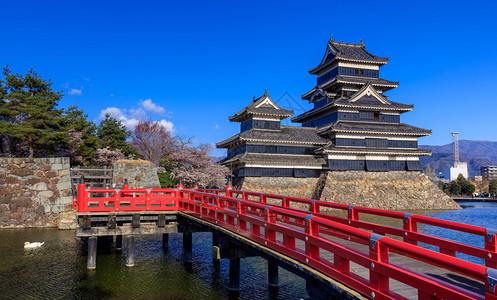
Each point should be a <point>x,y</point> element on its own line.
<point>347,52</point>
<point>262,106</point>
<point>373,127</point>
<point>287,134</point>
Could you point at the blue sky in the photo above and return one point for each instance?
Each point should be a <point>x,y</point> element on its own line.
<point>192,64</point>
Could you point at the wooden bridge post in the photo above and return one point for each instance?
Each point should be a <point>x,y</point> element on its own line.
<point>119,242</point>
<point>130,253</point>
<point>272,266</point>
<point>165,241</point>
<point>216,250</point>
<point>234,276</point>
<point>187,246</point>
<point>92,253</point>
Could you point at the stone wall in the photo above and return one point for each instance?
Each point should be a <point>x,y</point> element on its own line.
<point>139,173</point>
<point>394,190</point>
<point>289,186</point>
<point>33,192</point>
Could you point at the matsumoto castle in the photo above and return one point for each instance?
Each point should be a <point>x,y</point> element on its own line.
<point>353,125</point>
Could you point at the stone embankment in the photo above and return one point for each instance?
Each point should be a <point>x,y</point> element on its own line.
<point>34,192</point>
<point>394,190</point>
<point>139,173</point>
<point>297,187</point>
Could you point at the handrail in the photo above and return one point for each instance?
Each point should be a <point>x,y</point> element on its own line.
<point>409,232</point>
<point>140,199</point>
<point>263,230</point>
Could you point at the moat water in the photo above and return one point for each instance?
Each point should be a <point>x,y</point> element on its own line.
<point>57,270</point>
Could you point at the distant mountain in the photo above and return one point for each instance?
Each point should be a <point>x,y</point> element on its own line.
<point>475,153</point>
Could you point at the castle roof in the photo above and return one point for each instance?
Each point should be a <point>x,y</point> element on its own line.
<point>262,106</point>
<point>332,149</point>
<point>367,98</point>
<point>347,52</point>
<point>373,128</point>
<point>287,134</point>
<point>275,159</point>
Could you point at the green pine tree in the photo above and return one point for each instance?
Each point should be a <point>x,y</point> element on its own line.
<point>113,134</point>
<point>76,119</point>
<point>29,114</point>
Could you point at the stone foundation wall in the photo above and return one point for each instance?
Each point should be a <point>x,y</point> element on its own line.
<point>289,186</point>
<point>140,173</point>
<point>34,192</point>
<point>394,190</point>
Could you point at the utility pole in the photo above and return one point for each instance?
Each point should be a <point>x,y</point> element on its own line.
<point>456,148</point>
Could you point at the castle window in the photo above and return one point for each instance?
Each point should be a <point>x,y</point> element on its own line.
<point>358,72</point>
<point>377,116</point>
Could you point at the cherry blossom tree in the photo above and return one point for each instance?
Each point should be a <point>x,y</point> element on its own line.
<point>106,157</point>
<point>152,141</point>
<point>193,165</point>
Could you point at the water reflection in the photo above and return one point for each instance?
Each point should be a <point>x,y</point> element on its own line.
<point>58,270</point>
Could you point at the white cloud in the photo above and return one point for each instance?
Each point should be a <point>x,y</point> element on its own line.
<point>86,79</point>
<point>112,95</point>
<point>149,106</point>
<point>120,114</point>
<point>168,125</point>
<point>130,118</point>
<point>75,92</point>
<point>217,126</point>
<point>138,114</point>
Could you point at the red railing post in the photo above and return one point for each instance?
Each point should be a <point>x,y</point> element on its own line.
<point>285,202</point>
<point>312,230</point>
<point>410,225</point>
<point>81,197</point>
<point>490,284</point>
<point>377,253</point>
<point>269,217</point>
<point>229,189</point>
<point>353,215</point>
<point>491,247</point>
<point>314,209</point>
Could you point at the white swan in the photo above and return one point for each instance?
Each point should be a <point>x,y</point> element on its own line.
<point>29,245</point>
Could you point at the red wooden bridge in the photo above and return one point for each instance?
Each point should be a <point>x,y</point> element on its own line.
<point>340,256</point>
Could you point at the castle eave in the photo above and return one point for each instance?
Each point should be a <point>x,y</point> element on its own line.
<point>364,151</point>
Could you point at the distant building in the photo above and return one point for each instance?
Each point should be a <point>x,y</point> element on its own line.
<point>476,178</point>
<point>352,127</point>
<point>488,172</point>
<point>459,168</point>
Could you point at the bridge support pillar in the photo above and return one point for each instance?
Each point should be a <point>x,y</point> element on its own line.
<point>234,280</point>
<point>165,241</point>
<point>216,250</point>
<point>187,246</point>
<point>272,266</point>
<point>92,253</point>
<point>119,242</point>
<point>130,253</point>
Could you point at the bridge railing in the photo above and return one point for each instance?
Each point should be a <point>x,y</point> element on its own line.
<point>266,225</point>
<point>140,199</point>
<point>409,231</point>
